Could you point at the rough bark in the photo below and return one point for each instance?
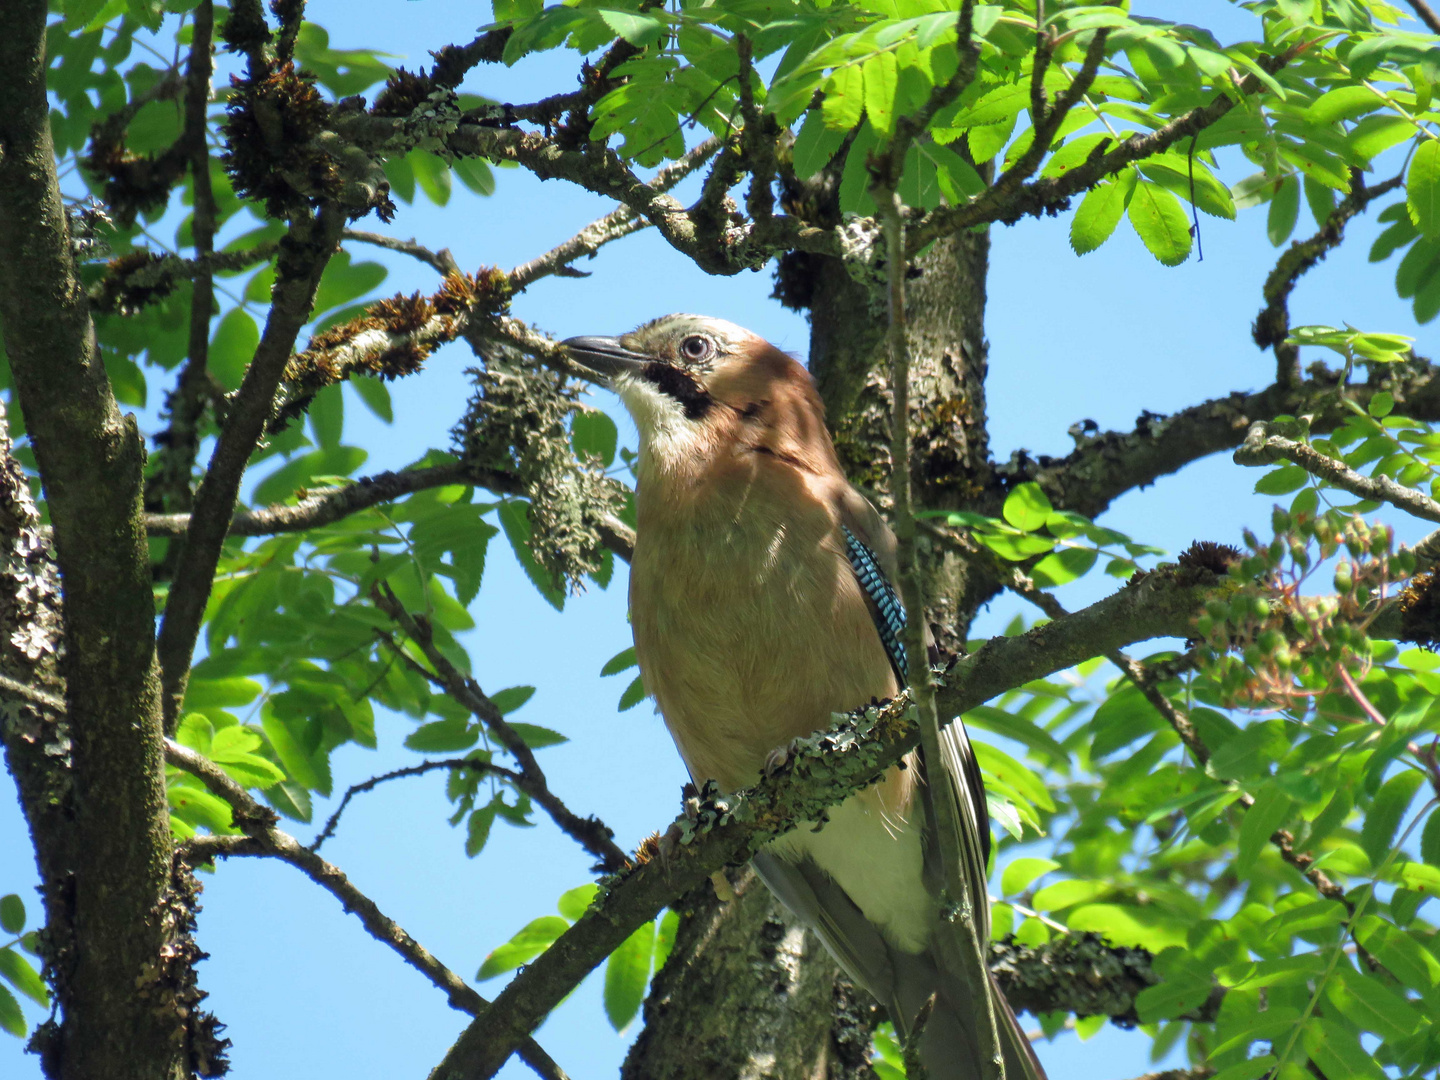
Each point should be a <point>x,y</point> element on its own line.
<point>748,992</point>
<point>114,985</point>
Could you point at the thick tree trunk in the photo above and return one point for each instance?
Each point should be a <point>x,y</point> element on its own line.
<point>117,950</point>
<point>749,993</point>
<point>745,992</point>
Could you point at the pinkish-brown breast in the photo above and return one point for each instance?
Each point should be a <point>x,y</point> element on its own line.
<point>749,627</point>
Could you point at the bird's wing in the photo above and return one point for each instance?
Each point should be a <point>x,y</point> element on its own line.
<point>870,547</point>
<point>950,1037</point>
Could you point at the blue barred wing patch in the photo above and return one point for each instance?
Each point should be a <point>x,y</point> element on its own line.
<point>889,609</point>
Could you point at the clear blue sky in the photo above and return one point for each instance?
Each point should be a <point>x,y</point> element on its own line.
<point>304,990</point>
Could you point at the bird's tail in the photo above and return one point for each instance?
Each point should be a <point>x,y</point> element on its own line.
<point>948,1041</point>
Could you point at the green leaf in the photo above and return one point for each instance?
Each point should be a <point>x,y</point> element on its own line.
<point>253,771</point>
<point>12,913</point>
<point>477,829</point>
<point>345,281</point>
<point>11,1018</point>
<point>1022,872</point>
<point>290,799</point>
<point>844,98</point>
<point>638,29</point>
<point>815,145</point>
<point>536,936</point>
<point>621,661</point>
<point>1422,188</point>
<point>1284,211</point>
<point>475,174</point>
<point>1100,212</point>
<point>1429,841</point>
<point>594,434</point>
<point>510,699</point>
<point>626,975</point>
<point>1172,998</point>
<point>1160,221</point>
<point>433,176</point>
<point>1381,405</point>
<point>1064,894</point>
<point>327,416</point>
<point>515,520</point>
<point>881,75</point>
<point>1124,924</point>
<point>572,904</point>
<point>1252,1069</point>
<point>537,737</point>
<point>1063,566</point>
<point>1272,806</point>
<point>1027,507</point>
<point>633,695</point>
<point>443,736</point>
<point>235,741</point>
<point>1371,1005</point>
<point>1282,481</point>
<point>1383,821</point>
<point>16,970</point>
<point>1343,103</point>
<point>1337,1051</point>
<point>297,762</point>
<point>233,347</point>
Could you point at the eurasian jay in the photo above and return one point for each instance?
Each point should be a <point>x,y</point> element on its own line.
<point>762,602</point>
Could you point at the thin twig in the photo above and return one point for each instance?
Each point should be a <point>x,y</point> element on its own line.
<point>620,222</point>
<point>1426,14</point>
<point>1272,325</point>
<point>258,823</point>
<point>1265,446</point>
<point>333,822</point>
<point>322,506</point>
<point>942,803</point>
<point>442,261</point>
<point>312,242</point>
<point>195,388</point>
<point>590,833</point>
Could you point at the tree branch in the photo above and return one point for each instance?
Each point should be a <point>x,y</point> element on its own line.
<point>185,406</point>
<point>262,837</point>
<point>442,261</point>
<point>304,253</point>
<point>134,280</point>
<point>90,461</point>
<point>1010,202</point>
<point>1107,465</point>
<point>1146,678</point>
<point>322,506</point>
<point>590,833</point>
<point>1426,14</point>
<point>964,951</point>
<point>1272,325</point>
<point>833,765</point>
<point>1264,446</point>
<point>620,222</point>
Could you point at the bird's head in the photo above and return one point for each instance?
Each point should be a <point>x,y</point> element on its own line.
<point>702,391</point>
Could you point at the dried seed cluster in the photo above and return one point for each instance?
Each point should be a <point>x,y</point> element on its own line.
<point>269,124</point>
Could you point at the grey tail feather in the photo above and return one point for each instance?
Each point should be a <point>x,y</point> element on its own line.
<point>948,1045</point>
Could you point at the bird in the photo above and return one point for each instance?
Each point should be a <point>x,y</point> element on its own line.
<point>762,601</point>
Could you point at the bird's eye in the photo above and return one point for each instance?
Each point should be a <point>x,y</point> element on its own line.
<point>697,347</point>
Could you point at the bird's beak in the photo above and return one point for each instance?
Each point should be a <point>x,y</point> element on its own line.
<point>604,355</point>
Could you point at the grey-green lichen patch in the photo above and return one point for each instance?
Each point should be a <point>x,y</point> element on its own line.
<point>517,421</point>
